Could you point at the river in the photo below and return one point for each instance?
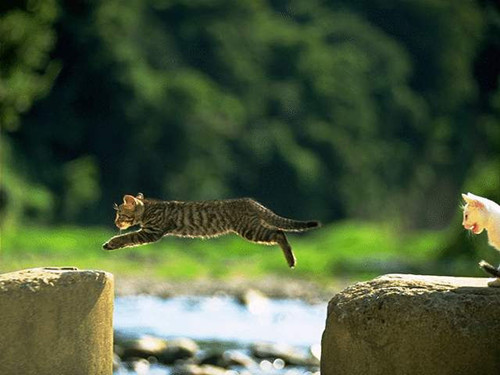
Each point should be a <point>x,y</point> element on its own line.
<point>223,322</point>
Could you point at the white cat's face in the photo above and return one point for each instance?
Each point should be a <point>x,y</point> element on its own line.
<point>475,214</point>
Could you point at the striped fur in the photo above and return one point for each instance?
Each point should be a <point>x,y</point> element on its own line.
<point>203,219</point>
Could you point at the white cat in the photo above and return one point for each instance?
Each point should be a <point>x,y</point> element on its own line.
<point>480,214</point>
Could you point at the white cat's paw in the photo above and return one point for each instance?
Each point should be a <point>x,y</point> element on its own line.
<point>495,283</point>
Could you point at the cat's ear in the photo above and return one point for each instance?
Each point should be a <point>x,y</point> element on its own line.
<point>472,201</point>
<point>129,200</point>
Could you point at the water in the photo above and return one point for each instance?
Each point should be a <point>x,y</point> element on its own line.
<point>221,318</point>
<point>223,323</point>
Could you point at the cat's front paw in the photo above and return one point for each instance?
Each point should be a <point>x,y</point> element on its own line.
<point>109,245</point>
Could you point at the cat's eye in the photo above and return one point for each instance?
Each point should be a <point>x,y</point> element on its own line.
<point>466,216</point>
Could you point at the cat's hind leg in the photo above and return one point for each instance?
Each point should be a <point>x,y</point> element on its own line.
<point>268,236</point>
<point>492,271</point>
<point>489,268</point>
<point>281,240</point>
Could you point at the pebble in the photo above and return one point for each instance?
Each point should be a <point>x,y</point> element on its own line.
<point>165,351</point>
<point>191,369</point>
<point>178,349</point>
<point>229,358</point>
<point>186,358</point>
<point>143,347</point>
<point>289,354</point>
<point>139,365</point>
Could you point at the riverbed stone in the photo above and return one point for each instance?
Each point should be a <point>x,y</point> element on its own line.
<point>178,349</point>
<point>238,358</point>
<point>139,365</point>
<point>412,324</point>
<point>165,351</point>
<point>288,353</point>
<point>228,358</point>
<point>143,347</point>
<point>192,369</point>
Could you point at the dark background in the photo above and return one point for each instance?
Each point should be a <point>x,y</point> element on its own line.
<point>378,110</point>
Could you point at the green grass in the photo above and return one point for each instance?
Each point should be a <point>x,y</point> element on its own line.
<point>346,249</point>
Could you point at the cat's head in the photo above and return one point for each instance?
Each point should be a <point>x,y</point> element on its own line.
<point>475,213</point>
<point>129,213</point>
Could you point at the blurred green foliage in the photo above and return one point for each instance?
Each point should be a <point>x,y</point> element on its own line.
<point>343,250</point>
<point>27,37</point>
<point>376,110</point>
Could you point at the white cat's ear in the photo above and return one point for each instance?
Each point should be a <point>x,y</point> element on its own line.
<point>473,200</point>
<point>475,197</point>
<point>477,204</point>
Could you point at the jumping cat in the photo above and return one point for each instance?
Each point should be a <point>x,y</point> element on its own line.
<point>203,219</point>
<point>483,214</point>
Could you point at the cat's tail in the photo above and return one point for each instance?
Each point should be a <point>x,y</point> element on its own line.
<point>273,221</point>
<point>289,225</point>
<point>489,268</point>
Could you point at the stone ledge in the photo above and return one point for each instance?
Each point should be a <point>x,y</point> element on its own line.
<point>35,279</point>
<point>412,324</point>
<point>56,321</point>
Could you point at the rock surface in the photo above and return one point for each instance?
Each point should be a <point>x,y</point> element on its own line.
<point>408,324</point>
<point>56,321</point>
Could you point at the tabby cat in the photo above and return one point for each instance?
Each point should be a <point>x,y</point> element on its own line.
<point>203,219</point>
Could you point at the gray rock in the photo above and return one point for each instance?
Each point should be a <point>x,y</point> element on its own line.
<point>237,358</point>
<point>229,358</point>
<point>166,351</point>
<point>407,324</point>
<point>178,349</point>
<point>191,369</point>
<point>144,347</point>
<point>139,365</point>
<point>289,354</point>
